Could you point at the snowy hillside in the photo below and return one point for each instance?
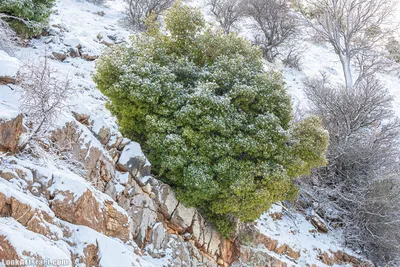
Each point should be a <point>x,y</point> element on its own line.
<point>91,200</point>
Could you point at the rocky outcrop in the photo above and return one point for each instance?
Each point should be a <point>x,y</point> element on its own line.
<point>89,211</point>
<point>251,238</point>
<point>318,223</point>
<point>27,211</point>
<point>60,56</point>
<point>7,250</point>
<point>339,257</point>
<point>10,131</point>
<point>158,221</point>
<point>121,199</point>
<point>7,80</point>
<point>260,258</point>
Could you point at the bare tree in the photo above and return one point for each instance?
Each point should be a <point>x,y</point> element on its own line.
<point>227,12</point>
<point>352,27</point>
<point>363,159</point>
<point>275,25</point>
<point>43,95</point>
<point>139,10</point>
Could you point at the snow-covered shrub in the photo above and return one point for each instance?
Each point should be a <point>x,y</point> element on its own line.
<point>43,95</point>
<point>139,10</point>
<point>358,187</point>
<point>26,17</point>
<point>212,122</point>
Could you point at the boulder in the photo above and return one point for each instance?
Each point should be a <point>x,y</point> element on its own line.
<point>132,159</point>
<point>318,223</point>
<point>73,52</point>
<point>89,57</point>
<point>166,199</point>
<point>182,218</point>
<point>60,56</point>
<point>10,131</point>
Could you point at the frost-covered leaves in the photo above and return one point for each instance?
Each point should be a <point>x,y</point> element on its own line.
<point>214,125</point>
<point>26,17</point>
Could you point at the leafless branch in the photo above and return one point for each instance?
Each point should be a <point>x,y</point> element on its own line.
<point>139,10</point>
<point>43,96</point>
<point>227,12</point>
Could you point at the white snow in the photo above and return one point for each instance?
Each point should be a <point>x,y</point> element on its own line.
<point>78,24</point>
<point>294,230</point>
<point>9,66</point>
<point>112,252</point>
<point>131,150</point>
<point>8,103</point>
<point>38,246</point>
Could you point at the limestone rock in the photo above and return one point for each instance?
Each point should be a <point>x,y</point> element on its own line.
<point>318,223</point>
<point>82,118</point>
<point>60,56</point>
<point>104,135</point>
<point>132,159</point>
<point>259,258</point>
<point>7,251</point>
<point>144,215</point>
<point>88,211</point>
<point>182,218</point>
<point>32,218</point>
<point>10,131</point>
<point>74,52</point>
<point>166,198</point>
<point>7,80</point>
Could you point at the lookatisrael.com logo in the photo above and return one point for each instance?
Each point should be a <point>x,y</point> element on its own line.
<point>35,262</point>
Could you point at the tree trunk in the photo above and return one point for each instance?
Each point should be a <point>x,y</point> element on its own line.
<point>346,70</point>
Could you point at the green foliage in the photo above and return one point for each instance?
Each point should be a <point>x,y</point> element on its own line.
<point>308,135</point>
<point>31,15</point>
<point>213,123</point>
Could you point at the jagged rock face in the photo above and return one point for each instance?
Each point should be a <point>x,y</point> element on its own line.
<point>7,251</point>
<point>120,199</point>
<point>260,258</point>
<point>88,211</point>
<point>10,131</point>
<point>158,221</point>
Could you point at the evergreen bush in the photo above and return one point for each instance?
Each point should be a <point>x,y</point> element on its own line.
<point>27,17</point>
<point>213,123</point>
